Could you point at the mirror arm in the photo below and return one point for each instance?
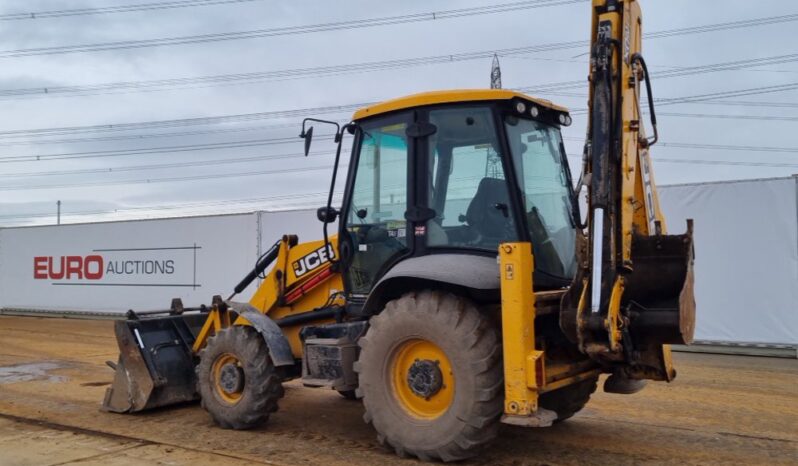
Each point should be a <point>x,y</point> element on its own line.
<point>339,139</point>
<point>337,127</point>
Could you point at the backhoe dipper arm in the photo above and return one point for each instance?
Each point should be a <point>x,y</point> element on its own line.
<point>633,292</point>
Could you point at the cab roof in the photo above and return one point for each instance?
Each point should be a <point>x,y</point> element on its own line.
<point>447,97</point>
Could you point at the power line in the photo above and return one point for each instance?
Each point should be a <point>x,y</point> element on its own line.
<point>363,67</point>
<point>152,150</point>
<point>727,117</point>
<point>205,132</point>
<point>727,66</point>
<point>707,97</point>
<point>290,30</point>
<point>225,203</point>
<point>677,145</point>
<point>384,21</point>
<point>259,143</point>
<point>320,195</point>
<point>296,124</point>
<point>680,145</point>
<point>747,103</point>
<point>45,132</point>
<point>145,136</point>
<point>196,121</point>
<point>191,164</point>
<point>723,26</point>
<point>729,94</point>
<point>167,180</point>
<point>248,78</point>
<point>685,145</point>
<point>726,163</point>
<point>238,78</point>
<point>681,71</point>
<point>650,66</point>
<point>658,160</point>
<point>116,9</point>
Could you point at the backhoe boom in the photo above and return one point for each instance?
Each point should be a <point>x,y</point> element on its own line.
<point>633,291</point>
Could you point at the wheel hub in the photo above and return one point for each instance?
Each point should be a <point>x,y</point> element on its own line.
<point>231,379</point>
<point>425,378</point>
<point>422,378</point>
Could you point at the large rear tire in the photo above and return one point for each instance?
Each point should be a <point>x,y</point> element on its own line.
<point>348,394</point>
<point>236,379</point>
<point>430,373</point>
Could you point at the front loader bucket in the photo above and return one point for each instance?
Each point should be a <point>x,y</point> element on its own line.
<point>156,363</point>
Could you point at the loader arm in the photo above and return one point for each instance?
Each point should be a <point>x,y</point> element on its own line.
<point>299,287</point>
<point>633,293</point>
<point>159,348</point>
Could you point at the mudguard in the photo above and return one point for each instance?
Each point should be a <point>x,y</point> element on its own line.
<point>279,349</point>
<point>462,270</point>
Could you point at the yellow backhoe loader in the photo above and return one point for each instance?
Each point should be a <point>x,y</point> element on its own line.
<point>462,288</point>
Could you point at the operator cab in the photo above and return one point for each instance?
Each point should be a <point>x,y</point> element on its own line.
<point>457,172</point>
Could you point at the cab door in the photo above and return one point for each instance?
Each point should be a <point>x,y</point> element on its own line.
<point>374,223</point>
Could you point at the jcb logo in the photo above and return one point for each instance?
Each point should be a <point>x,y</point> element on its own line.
<point>313,261</point>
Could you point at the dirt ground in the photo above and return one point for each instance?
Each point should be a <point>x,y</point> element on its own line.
<point>721,409</point>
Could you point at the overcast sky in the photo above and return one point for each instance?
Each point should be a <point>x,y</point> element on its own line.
<point>308,178</point>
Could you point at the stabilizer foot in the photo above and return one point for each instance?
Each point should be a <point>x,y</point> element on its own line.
<point>540,418</point>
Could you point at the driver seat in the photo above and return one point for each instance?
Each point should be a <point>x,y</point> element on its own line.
<point>483,214</point>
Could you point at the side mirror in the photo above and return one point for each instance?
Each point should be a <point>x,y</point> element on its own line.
<point>307,136</point>
<point>327,214</point>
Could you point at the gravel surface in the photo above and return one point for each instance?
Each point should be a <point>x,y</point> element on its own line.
<point>720,409</point>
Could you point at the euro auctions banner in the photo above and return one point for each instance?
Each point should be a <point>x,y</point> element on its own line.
<point>174,266</point>
<point>125,265</point>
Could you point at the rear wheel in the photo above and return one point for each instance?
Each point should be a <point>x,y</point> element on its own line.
<point>430,376</point>
<point>237,380</point>
<point>348,394</point>
<point>569,400</point>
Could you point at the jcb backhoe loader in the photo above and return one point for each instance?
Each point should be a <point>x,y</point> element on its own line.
<point>461,288</point>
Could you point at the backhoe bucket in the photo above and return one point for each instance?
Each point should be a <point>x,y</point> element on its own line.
<point>659,302</point>
<point>657,305</point>
<point>156,363</point>
<point>659,292</point>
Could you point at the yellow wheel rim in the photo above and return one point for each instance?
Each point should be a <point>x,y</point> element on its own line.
<point>229,393</point>
<point>422,379</point>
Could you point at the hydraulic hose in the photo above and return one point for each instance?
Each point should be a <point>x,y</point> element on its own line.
<point>637,58</point>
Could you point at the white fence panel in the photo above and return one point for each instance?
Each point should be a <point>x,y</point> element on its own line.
<point>746,258</point>
<point>302,223</point>
<point>746,240</point>
<point>122,265</point>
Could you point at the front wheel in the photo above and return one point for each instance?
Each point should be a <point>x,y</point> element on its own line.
<point>236,379</point>
<point>430,376</point>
